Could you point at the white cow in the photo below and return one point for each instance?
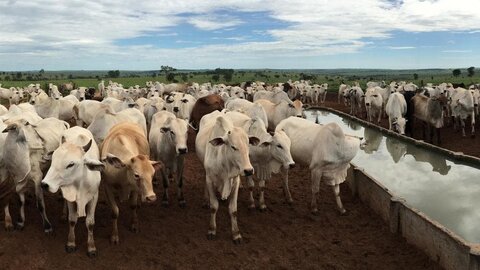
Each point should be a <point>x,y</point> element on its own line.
<point>223,150</point>
<point>61,108</point>
<point>325,149</point>
<point>269,156</point>
<point>85,111</point>
<point>106,118</point>
<point>76,170</point>
<point>168,143</point>
<point>274,96</point>
<point>119,105</point>
<point>249,108</point>
<point>180,104</point>
<point>462,106</point>
<point>356,97</point>
<point>25,145</point>
<point>396,109</point>
<point>280,111</point>
<point>373,104</point>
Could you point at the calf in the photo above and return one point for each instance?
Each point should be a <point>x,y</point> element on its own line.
<point>223,150</point>
<point>168,143</point>
<point>128,171</point>
<point>76,170</point>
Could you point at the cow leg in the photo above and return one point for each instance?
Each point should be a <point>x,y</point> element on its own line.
<point>438,136</point>
<point>389,123</point>
<point>462,124</point>
<point>263,206</point>
<point>286,190</point>
<point>232,210</point>
<point>473,125</point>
<point>72,221</point>
<point>134,206</point>
<point>90,222</point>
<point>114,239</point>
<point>379,116</point>
<point>47,226</point>
<point>8,219</point>
<point>251,186</point>
<point>316,177</point>
<point>64,216</point>
<point>206,197</point>
<point>336,191</point>
<point>21,221</point>
<point>181,198</point>
<point>212,230</point>
<point>165,187</point>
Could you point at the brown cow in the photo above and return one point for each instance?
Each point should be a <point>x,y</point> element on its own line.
<point>128,171</point>
<point>205,105</point>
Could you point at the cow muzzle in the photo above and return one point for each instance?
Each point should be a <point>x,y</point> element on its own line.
<point>248,172</point>
<point>151,199</point>
<point>81,99</point>
<point>291,165</point>
<point>175,109</point>
<point>44,186</point>
<point>367,104</point>
<point>32,102</point>
<point>131,105</point>
<point>182,151</point>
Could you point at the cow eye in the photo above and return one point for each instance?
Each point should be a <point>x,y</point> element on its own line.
<point>279,146</point>
<point>184,100</point>
<point>70,165</point>
<point>290,105</point>
<point>136,175</point>
<point>171,132</point>
<point>234,148</point>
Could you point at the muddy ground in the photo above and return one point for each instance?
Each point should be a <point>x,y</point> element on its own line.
<point>283,237</point>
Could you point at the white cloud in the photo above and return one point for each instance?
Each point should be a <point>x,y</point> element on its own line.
<point>85,33</point>
<point>401,48</point>
<point>457,51</point>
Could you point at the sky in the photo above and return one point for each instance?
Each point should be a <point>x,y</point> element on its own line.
<point>239,34</point>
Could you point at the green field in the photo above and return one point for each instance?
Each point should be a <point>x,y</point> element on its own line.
<point>334,77</point>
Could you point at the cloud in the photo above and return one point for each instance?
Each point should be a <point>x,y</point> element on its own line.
<point>401,48</point>
<point>209,22</point>
<point>50,32</point>
<point>457,51</point>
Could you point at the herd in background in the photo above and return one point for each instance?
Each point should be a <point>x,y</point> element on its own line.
<point>434,105</point>
<point>127,138</point>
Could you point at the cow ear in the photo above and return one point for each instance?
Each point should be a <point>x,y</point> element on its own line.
<point>87,146</point>
<point>265,144</point>
<point>62,140</point>
<point>253,140</point>
<point>94,165</point>
<point>157,165</point>
<point>114,161</point>
<point>10,127</point>
<point>217,141</point>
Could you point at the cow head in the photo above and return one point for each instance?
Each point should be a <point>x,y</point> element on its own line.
<point>399,125</point>
<point>280,149</point>
<point>70,167</point>
<point>176,130</point>
<point>140,170</point>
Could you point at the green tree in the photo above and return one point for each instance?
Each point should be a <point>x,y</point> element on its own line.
<point>184,77</point>
<point>471,71</point>
<point>167,69</point>
<point>456,72</point>
<point>113,73</point>
<point>215,77</point>
<point>18,75</point>
<point>415,76</point>
<point>170,76</point>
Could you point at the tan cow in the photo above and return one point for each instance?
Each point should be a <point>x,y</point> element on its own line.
<point>128,171</point>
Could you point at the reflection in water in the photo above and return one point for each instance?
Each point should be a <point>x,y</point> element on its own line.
<point>352,124</point>
<point>447,192</point>
<point>438,162</point>
<point>396,149</point>
<point>373,139</point>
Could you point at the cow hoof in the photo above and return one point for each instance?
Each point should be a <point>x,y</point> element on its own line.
<point>182,203</point>
<point>165,203</point>
<point>263,208</point>
<point>134,228</point>
<point>343,212</point>
<point>237,241</point>
<point>70,249</point>
<point>315,212</point>
<point>19,226</point>
<point>252,207</point>
<point>114,240</point>
<point>211,236</point>
<point>9,227</point>
<point>92,254</point>
<point>48,230</point>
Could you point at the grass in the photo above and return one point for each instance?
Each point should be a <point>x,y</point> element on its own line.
<point>333,77</point>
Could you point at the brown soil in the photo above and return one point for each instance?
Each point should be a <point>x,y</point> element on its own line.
<point>450,139</point>
<point>284,237</point>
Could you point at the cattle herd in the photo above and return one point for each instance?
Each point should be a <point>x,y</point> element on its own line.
<point>125,139</point>
<point>435,106</point>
